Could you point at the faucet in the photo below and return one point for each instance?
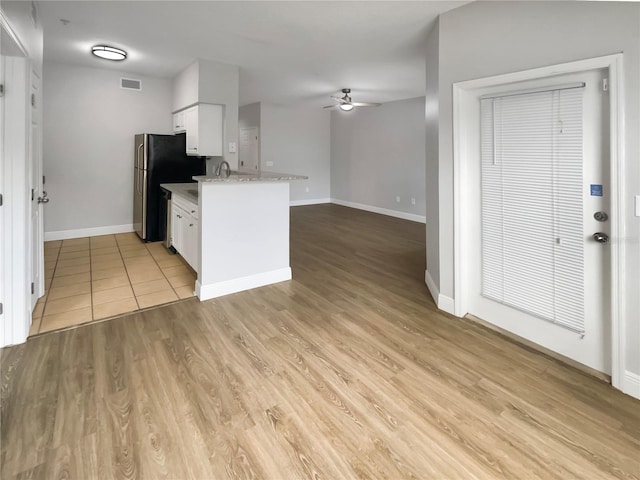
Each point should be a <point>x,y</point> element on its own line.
<point>219,169</point>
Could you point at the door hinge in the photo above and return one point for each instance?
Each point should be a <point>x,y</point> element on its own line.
<point>1,309</point>
<point>44,179</point>
<point>32,195</point>
<point>1,89</point>
<point>33,99</point>
<point>33,288</point>
<point>1,200</point>
<point>605,84</point>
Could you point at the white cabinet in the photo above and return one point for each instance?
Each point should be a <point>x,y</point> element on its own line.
<point>185,232</point>
<point>204,124</point>
<point>178,122</point>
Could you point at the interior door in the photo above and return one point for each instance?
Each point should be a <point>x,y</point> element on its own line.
<point>38,195</point>
<point>249,151</point>
<point>589,345</point>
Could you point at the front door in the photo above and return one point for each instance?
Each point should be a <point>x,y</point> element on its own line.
<point>541,265</point>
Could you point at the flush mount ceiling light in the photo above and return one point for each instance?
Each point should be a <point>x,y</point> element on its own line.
<point>109,53</point>
<point>346,107</point>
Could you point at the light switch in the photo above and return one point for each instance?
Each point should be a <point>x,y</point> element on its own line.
<point>637,205</point>
<point>232,147</point>
<point>269,164</point>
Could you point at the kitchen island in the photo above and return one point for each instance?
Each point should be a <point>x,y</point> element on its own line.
<point>243,231</point>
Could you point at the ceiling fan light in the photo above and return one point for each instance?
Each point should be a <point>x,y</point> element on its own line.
<point>109,53</point>
<point>347,107</point>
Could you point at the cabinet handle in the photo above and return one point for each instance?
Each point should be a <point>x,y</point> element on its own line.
<point>193,211</point>
<point>191,224</point>
<point>179,216</point>
<point>195,148</point>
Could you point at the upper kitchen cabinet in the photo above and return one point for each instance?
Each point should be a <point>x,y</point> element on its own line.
<point>206,82</point>
<point>204,126</point>
<point>178,122</point>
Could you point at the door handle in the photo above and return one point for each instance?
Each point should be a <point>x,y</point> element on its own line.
<point>138,155</point>
<point>601,237</point>
<point>43,198</point>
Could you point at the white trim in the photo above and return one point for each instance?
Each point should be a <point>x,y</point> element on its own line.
<point>311,201</point>
<point>6,25</point>
<point>443,302</point>
<point>431,285</point>
<point>631,384</point>
<point>87,232</point>
<point>206,292</point>
<point>463,94</point>
<point>383,211</point>
<point>16,317</point>
<point>446,304</point>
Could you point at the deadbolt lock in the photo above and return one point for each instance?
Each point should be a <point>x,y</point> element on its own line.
<point>601,216</point>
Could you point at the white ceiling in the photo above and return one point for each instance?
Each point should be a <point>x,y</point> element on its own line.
<point>288,52</point>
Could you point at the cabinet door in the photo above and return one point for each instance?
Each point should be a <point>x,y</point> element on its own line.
<point>177,228</point>
<point>210,127</point>
<point>178,122</point>
<point>192,242</point>
<point>191,126</point>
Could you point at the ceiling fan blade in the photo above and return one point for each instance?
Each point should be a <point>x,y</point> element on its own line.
<point>331,106</point>
<point>339,99</point>
<point>365,104</point>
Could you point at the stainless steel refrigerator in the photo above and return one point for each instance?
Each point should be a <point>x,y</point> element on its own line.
<point>158,159</point>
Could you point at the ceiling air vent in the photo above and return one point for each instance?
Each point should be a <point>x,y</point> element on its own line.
<point>130,84</point>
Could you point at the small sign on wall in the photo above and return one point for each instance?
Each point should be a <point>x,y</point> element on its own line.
<point>596,190</point>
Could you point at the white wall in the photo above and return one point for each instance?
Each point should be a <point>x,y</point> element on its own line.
<point>431,149</point>
<point>89,125</point>
<point>297,140</point>
<point>378,154</point>
<point>249,116</point>
<point>489,38</point>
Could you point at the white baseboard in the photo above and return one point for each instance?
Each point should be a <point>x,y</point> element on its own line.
<point>311,201</point>
<point>383,211</point>
<point>446,304</point>
<point>213,290</point>
<point>87,232</point>
<point>631,384</point>
<point>442,301</point>
<point>431,285</point>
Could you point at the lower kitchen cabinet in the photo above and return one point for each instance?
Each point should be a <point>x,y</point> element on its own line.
<point>185,233</point>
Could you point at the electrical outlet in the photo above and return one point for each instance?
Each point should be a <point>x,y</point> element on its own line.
<point>397,198</point>
<point>232,147</point>
<point>413,201</point>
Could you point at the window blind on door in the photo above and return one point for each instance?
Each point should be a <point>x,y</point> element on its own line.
<point>532,212</point>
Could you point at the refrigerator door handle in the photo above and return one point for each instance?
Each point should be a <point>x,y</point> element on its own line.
<point>138,155</point>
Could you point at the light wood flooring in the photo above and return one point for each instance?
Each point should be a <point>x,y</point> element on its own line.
<point>89,279</point>
<point>347,371</point>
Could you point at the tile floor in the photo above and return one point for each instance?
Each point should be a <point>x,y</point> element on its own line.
<point>94,278</point>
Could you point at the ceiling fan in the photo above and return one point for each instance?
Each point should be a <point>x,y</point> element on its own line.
<point>345,103</point>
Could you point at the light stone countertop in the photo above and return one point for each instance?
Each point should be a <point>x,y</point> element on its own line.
<point>186,190</point>
<point>237,177</point>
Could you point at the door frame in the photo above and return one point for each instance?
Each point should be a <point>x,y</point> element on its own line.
<point>466,97</point>
<point>16,218</point>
